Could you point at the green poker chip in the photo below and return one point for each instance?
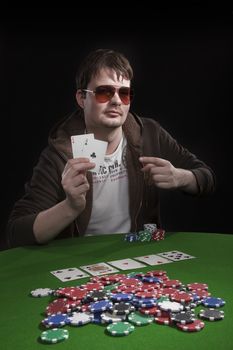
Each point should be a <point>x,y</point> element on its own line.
<point>120,328</point>
<point>140,319</point>
<point>54,335</point>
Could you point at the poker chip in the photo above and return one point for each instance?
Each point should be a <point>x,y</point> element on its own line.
<point>144,236</point>
<point>183,317</point>
<point>57,320</point>
<point>123,301</point>
<point>140,320</point>
<point>96,295</point>
<point>101,305</point>
<point>197,286</point>
<point>108,317</point>
<point>170,306</point>
<point>213,302</point>
<point>131,237</point>
<point>79,318</point>
<point>171,283</point>
<point>155,310</point>
<point>121,297</point>
<point>41,292</point>
<point>163,320</point>
<point>211,314</point>
<point>54,335</point>
<point>122,308</point>
<point>195,326</point>
<point>120,328</point>
<point>58,306</point>
<point>181,297</point>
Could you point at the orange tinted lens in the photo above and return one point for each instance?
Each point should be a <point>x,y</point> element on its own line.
<point>104,93</point>
<point>125,95</point>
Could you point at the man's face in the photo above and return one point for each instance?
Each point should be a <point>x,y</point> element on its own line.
<point>111,114</point>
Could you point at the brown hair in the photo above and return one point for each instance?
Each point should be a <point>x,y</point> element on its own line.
<point>102,58</point>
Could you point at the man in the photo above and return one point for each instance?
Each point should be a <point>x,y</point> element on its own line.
<point>64,198</point>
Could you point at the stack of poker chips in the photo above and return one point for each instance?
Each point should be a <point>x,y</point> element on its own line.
<point>149,233</point>
<point>122,303</point>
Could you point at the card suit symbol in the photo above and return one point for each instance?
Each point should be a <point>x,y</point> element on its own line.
<point>93,155</point>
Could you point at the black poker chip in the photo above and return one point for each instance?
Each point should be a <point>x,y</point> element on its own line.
<point>211,314</point>
<point>183,317</point>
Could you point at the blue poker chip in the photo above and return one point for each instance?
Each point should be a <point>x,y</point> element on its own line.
<point>121,297</point>
<point>101,305</point>
<point>56,320</point>
<point>131,237</point>
<point>213,302</point>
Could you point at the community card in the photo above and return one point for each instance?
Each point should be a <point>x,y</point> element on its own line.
<point>126,264</point>
<point>79,144</point>
<point>176,255</point>
<point>153,259</point>
<point>69,274</point>
<point>98,269</point>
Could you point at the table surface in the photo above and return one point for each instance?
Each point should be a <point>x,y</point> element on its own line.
<point>27,268</point>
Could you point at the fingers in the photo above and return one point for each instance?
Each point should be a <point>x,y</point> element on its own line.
<point>77,166</point>
<point>153,160</point>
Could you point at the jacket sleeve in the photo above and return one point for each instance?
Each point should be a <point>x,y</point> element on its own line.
<point>180,157</point>
<point>43,191</point>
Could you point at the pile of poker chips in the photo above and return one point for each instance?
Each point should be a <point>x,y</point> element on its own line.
<point>124,302</point>
<point>149,233</point>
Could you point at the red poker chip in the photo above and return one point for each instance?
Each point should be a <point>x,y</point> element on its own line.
<point>202,293</point>
<point>181,297</point>
<point>146,286</point>
<point>58,306</point>
<point>156,273</point>
<point>155,310</point>
<point>124,289</point>
<point>197,286</point>
<point>168,291</point>
<point>195,326</point>
<point>171,283</point>
<point>163,320</point>
<point>92,286</point>
<point>144,294</point>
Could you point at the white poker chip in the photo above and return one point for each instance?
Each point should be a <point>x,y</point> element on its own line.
<point>107,317</point>
<point>41,292</point>
<point>170,306</point>
<point>80,318</point>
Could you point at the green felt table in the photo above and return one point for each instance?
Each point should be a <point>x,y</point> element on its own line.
<point>27,268</point>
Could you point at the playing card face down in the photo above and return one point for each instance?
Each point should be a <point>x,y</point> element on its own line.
<point>69,274</point>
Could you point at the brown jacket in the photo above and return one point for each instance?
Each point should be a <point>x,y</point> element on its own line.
<point>144,137</point>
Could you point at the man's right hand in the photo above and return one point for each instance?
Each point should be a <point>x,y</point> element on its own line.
<point>75,184</point>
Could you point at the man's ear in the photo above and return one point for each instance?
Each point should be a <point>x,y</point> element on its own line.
<point>80,98</point>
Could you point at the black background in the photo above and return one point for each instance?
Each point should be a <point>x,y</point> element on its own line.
<point>183,78</point>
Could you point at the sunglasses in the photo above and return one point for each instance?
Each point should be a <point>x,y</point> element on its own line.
<point>104,93</point>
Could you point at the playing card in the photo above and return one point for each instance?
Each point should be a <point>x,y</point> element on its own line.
<point>153,259</point>
<point>79,144</point>
<point>96,151</point>
<point>69,274</point>
<point>126,264</point>
<point>98,269</point>
<point>176,255</point>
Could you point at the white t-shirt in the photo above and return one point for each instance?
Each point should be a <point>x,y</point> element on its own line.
<point>110,211</point>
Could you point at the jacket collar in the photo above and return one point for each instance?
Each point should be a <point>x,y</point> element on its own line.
<point>59,137</point>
